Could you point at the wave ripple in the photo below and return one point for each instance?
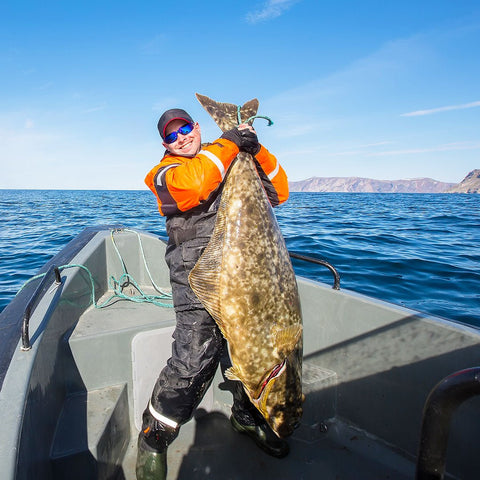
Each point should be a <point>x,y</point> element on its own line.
<point>417,250</point>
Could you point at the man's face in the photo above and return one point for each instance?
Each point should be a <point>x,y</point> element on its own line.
<point>186,145</point>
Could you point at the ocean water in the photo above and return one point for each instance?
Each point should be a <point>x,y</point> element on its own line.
<point>421,251</point>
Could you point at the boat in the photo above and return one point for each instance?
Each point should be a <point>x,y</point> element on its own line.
<point>390,393</point>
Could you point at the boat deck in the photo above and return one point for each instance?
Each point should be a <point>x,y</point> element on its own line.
<point>208,447</point>
<point>137,337</point>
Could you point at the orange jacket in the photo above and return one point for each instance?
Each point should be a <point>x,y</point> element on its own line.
<point>181,183</point>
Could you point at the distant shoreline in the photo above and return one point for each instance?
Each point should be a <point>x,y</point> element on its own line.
<point>470,184</point>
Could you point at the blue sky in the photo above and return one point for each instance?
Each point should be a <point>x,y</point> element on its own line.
<point>378,88</point>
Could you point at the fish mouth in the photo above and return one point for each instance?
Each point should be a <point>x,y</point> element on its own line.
<point>276,371</point>
<point>267,383</point>
<point>283,419</point>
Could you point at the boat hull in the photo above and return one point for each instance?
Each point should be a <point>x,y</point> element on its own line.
<point>71,405</point>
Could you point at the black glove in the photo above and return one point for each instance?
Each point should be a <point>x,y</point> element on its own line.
<point>244,139</point>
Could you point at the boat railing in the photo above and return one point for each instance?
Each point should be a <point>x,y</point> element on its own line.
<point>305,258</point>
<point>441,403</point>
<point>54,272</point>
<point>317,261</point>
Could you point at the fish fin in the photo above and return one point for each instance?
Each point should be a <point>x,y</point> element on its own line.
<point>287,339</point>
<point>204,278</point>
<point>226,114</point>
<point>233,374</point>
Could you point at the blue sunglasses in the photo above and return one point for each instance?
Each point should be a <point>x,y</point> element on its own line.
<point>172,137</point>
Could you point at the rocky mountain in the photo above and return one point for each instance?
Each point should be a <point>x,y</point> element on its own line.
<point>470,184</point>
<point>369,185</point>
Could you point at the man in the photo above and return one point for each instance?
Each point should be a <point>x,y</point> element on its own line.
<point>188,184</point>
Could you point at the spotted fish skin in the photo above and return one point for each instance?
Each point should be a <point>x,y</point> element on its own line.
<point>246,281</point>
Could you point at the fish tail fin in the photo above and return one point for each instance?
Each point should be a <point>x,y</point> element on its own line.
<point>227,115</point>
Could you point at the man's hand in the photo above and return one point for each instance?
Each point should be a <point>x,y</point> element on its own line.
<point>244,137</point>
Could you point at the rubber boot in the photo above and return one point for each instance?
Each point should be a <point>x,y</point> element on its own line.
<point>151,465</point>
<point>263,436</point>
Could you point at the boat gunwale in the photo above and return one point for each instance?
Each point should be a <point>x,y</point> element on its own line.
<point>11,318</point>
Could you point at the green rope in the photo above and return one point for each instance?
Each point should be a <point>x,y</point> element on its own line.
<point>270,121</point>
<point>157,288</point>
<point>118,285</point>
<point>251,119</point>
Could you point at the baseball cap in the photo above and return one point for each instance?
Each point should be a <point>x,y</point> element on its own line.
<point>172,114</point>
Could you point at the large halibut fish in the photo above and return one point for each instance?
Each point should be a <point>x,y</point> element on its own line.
<point>246,282</point>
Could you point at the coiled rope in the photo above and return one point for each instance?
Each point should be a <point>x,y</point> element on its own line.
<point>117,285</point>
